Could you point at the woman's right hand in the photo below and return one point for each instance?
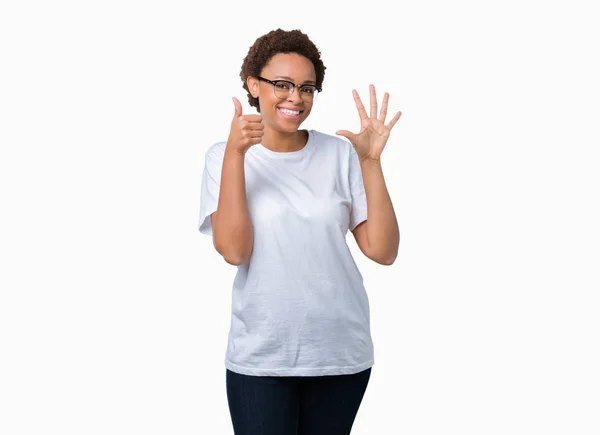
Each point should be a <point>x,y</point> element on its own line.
<point>246,130</point>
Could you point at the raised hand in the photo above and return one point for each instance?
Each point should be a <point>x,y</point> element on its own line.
<point>246,130</point>
<point>374,133</point>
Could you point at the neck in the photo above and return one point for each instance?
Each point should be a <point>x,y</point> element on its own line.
<point>284,142</point>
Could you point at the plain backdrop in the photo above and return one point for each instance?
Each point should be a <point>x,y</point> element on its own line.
<point>114,309</point>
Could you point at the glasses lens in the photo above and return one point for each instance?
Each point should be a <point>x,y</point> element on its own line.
<point>282,89</point>
<point>309,93</point>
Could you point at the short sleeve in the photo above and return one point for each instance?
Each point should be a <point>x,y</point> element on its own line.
<point>209,191</point>
<point>358,212</point>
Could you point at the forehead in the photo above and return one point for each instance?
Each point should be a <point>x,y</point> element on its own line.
<point>291,65</point>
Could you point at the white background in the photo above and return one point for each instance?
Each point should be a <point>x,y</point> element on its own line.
<point>114,309</point>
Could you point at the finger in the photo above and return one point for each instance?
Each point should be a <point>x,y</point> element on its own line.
<point>253,118</point>
<point>394,120</point>
<point>255,133</point>
<point>255,126</point>
<point>373,97</point>
<point>238,107</point>
<point>384,107</point>
<point>347,134</point>
<point>359,105</point>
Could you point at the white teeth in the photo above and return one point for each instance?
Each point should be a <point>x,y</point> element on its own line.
<point>289,112</point>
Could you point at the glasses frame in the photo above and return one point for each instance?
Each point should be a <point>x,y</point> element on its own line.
<point>294,86</point>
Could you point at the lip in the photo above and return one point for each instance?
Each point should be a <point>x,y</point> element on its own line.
<point>285,115</point>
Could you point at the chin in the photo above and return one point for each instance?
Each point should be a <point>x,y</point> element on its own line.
<point>288,129</point>
<point>286,126</point>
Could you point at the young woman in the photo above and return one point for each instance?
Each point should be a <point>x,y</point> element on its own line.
<point>278,202</point>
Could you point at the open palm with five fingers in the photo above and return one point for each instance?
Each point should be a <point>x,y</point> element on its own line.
<point>374,132</point>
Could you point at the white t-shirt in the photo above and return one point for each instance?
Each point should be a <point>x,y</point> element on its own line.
<point>299,307</point>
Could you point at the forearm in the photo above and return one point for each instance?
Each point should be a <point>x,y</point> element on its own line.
<point>383,233</point>
<point>233,231</point>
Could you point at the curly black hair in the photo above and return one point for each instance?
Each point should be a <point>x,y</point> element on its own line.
<point>272,43</point>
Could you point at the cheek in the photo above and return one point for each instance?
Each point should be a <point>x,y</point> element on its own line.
<point>268,104</point>
<point>269,110</point>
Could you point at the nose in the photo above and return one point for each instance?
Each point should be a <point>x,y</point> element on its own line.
<point>294,97</point>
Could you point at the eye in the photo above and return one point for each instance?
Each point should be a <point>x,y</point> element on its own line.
<point>308,89</point>
<point>282,85</point>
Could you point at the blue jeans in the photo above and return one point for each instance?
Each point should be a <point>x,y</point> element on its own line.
<point>295,405</point>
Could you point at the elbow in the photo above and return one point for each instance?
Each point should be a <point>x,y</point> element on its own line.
<point>234,252</point>
<point>384,261</point>
<point>234,257</point>
<point>387,255</point>
<point>235,260</point>
<point>391,258</point>
<point>387,261</point>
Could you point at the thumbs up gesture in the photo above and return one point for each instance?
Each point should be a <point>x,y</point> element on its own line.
<point>246,130</point>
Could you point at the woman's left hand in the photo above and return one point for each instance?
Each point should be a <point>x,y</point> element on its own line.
<point>374,133</point>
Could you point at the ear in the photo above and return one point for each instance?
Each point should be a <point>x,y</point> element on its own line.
<point>252,83</point>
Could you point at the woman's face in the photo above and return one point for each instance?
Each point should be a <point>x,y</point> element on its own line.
<point>284,114</point>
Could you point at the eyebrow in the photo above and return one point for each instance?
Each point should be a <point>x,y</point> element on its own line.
<point>306,82</point>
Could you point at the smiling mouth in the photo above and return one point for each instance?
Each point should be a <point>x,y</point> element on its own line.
<point>289,113</point>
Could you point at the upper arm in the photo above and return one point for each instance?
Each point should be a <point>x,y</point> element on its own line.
<point>213,219</point>
<point>212,223</point>
<point>360,235</point>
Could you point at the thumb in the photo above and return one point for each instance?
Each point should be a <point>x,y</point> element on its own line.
<point>348,135</point>
<point>238,107</point>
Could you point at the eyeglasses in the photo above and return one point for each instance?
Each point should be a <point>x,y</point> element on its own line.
<point>284,89</point>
